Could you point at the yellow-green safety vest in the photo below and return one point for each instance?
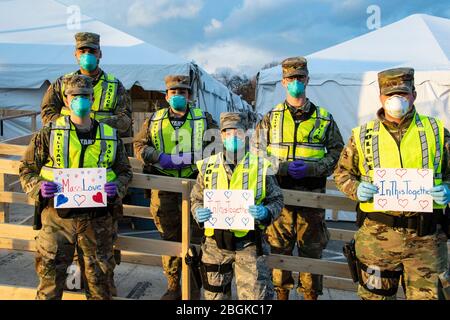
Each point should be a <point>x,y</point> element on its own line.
<point>249,174</point>
<point>65,150</point>
<point>421,147</point>
<point>105,97</point>
<point>186,139</point>
<point>306,140</point>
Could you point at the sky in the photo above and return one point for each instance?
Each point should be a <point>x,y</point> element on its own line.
<point>244,35</point>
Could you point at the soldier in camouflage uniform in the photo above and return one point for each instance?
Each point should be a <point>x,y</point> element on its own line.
<point>398,246</point>
<point>304,141</point>
<point>64,229</point>
<point>168,143</point>
<point>112,104</point>
<point>222,248</point>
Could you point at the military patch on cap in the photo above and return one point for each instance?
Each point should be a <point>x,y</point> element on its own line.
<point>177,82</point>
<point>87,39</point>
<point>77,84</point>
<point>396,80</point>
<point>295,66</point>
<point>233,120</point>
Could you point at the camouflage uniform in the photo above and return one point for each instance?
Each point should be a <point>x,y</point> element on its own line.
<point>252,274</point>
<point>59,235</point>
<point>53,101</point>
<point>419,259</point>
<point>165,207</point>
<point>302,225</point>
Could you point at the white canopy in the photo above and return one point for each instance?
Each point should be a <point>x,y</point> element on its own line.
<point>37,47</point>
<point>343,78</point>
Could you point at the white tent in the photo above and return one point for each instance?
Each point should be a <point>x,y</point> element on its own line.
<point>343,78</point>
<point>37,45</point>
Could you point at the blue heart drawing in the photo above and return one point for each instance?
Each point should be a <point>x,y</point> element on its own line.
<point>209,194</point>
<point>245,220</point>
<point>212,220</point>
<point>229,220</point>
<point>227,194</point>
<point>61,199</point>
<point>246,195</point>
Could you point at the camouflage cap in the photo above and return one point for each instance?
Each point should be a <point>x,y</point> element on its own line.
<point>77,84</point>
<point>295,66</point>
<point>396,80</point>
<point>177,82</point>
<point>233,120</point>
<point>87,39</point>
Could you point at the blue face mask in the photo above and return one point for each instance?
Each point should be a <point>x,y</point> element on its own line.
<point>233,144</point>
<point>81,106</point>
<point>296,88</point>
<point>178,102</point>
<point>88,61</point>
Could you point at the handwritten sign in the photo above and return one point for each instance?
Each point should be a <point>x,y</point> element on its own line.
<point>80,188</point>
<point>403,190</point>
<point>229,209</point>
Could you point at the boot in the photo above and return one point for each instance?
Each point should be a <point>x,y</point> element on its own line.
<point>173,289</point>
<point>309,295</point>
<point>282,294</point>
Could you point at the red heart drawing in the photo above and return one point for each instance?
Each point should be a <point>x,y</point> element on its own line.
<point>424,203</point>
<point>403,202</point>
<point>98,197</point>
<point>381,173</point>
<point>400,172</point>
<point>382,202</point>
<point>423,172</point>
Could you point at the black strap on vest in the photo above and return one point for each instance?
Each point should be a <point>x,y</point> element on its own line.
<point>220,268</point>
<point>385,274</point>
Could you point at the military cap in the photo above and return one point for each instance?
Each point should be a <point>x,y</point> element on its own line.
<point>233,120</point>
<point>177,82</point>
<point>87,39</point>
<point>295,66</point>
<point>77,84</point>
<point>396,80</point>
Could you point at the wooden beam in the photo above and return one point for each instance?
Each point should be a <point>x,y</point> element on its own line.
<point>149,246</point>
<point>318,200</point>
<point>185,240</point>
<point>136,211</point>
<point>147,181</point>
<point>22,140</point>
<point>15,197</point>
<point>12,149</point>
<point>4,207</point>
<point>9,166</point>
<point>340,234</point>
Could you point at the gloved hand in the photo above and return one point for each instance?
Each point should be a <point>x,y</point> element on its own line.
<point>48,189</point>
<point>297,169</point>
<point>259,212</point>
<point>111,189</point>
<point>366,191</point>
<point>441,194</point>
<point>165,160</point>
<point>203,214</point>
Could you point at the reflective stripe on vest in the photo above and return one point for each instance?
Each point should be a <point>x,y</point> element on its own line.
<point>186,139</point>
<point>65,149</point>
<point>249,174</point>
<point>378,149</point>
<point>105,97</point>
<point>307,137</point>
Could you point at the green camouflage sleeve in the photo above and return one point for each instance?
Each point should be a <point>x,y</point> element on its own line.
<point>143,146</point>
<point>122,169</point>
<point>274,200</point>
<point>446,158</point>
<point>121,120</point>
<point>334,144</point>
<point>197,196</point>
<point>346,174</point>
<point>33,160</point>
<point>52,103</point>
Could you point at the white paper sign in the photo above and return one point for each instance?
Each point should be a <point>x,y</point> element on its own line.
<point>403,190</point>
<point>80,188</point>
<point>229,209</point>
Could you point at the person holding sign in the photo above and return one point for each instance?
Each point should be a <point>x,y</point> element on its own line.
<point>169,141</point>
<point>55,152</point>
<point>394,245</point>
<point>305,142</point>
<point>235,169</point>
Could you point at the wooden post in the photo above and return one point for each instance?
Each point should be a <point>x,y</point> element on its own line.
<point>33,123</point>
<point>185,240</point>
<point>4,207</point>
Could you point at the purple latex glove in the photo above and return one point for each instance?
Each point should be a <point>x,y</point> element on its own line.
<point>297,169</point>
<point>165,160</point>
<point>111,189</point>
<point>48,189</point>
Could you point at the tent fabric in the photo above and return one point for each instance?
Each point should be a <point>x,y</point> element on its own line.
<point>36,49</point>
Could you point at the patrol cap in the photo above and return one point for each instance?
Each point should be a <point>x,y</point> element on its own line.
<point>87,39</point>
<point>233,120</point>
<point>295,66</point>
<point>396,80</point>
<point>77,84</point>
<point>177,82</point>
